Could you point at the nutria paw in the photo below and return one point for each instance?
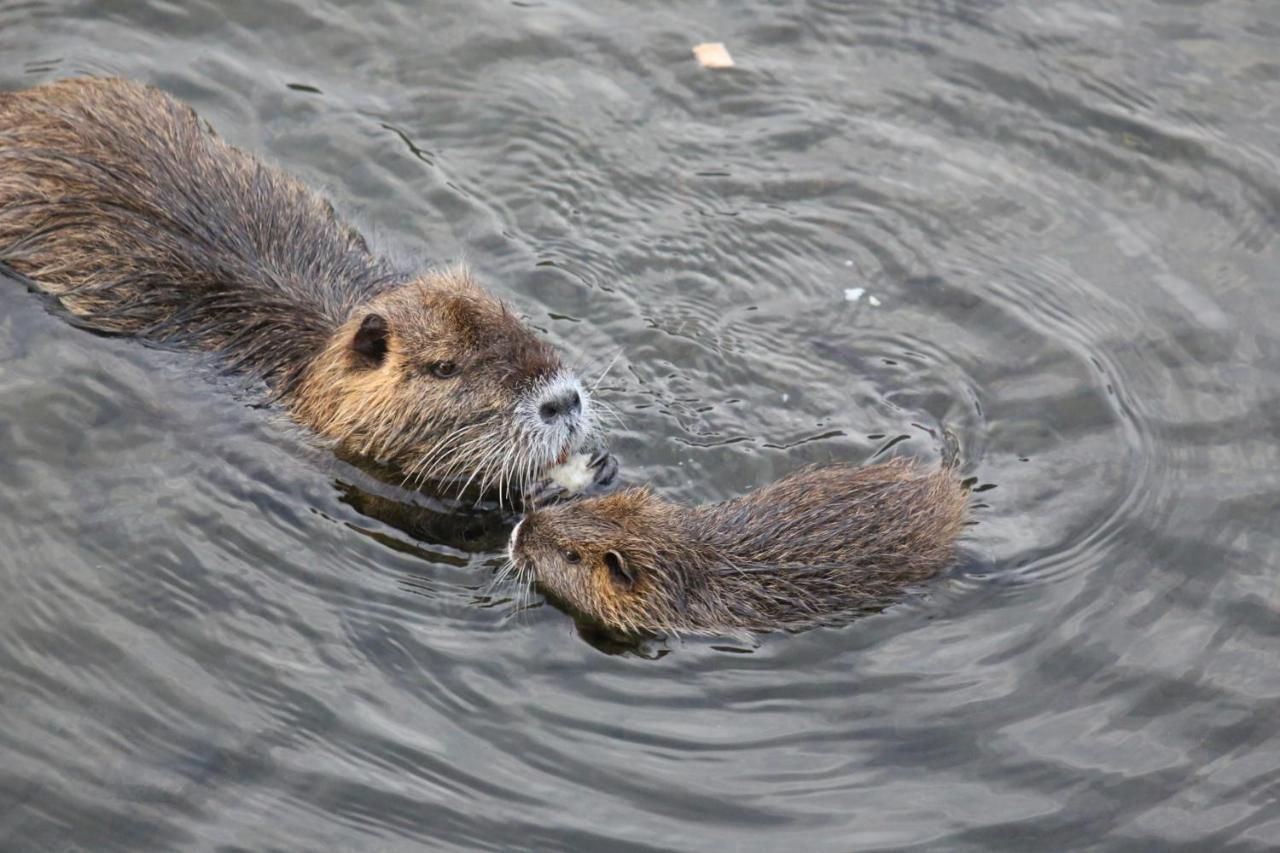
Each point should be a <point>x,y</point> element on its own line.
<point>544,493</point>
<point>605,464</point>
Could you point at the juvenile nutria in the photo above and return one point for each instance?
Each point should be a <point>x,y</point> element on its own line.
<point>123,204</point>
<point>810,547</point>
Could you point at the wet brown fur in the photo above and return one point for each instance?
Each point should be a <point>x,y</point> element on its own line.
<point>125,206</point>
<point>809,548</point>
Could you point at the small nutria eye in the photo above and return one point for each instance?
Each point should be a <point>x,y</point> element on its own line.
<point>572,556</point>
<point>444,369</point>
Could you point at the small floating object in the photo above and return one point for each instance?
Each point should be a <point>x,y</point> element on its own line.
<point>854,294</point>
<point>712,54</point>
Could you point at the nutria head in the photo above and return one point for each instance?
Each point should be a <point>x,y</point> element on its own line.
<point>810,548</point>
<point>626,560</point>
<point>441,380</point>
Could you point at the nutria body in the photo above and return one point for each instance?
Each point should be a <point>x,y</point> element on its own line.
<point>809,548</point>
<point>125,206</point>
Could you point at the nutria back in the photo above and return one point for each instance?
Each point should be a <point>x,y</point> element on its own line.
<point>809,548</point>
<point>123,203</point>
<point>890,522</point>
<point>125,206</point>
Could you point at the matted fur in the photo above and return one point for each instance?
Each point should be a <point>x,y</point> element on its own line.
<point>125,206</point>
<point>808,548</point>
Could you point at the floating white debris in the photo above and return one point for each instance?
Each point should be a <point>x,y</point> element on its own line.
<point>853,294</point>
<point>713,54</point>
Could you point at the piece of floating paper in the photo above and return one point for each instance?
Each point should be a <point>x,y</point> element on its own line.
<point>853,294</point>
<point>712,54</point>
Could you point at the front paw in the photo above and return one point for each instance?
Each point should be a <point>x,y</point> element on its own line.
<point>544,492</point>
<point>605,466</point>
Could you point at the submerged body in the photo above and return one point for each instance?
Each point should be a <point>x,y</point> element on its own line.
<point>809,548</point>
<point>125,206</point>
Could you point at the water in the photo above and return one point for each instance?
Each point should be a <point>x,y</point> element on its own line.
<point>214,636</point>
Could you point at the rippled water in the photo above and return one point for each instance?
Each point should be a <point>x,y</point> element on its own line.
<point>1062,218</point>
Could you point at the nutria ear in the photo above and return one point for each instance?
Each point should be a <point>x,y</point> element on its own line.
<point>619,570</point>
<point>371,338</point>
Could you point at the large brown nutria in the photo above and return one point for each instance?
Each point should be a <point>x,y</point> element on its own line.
<point>125,206</point>
<point>811,547</point>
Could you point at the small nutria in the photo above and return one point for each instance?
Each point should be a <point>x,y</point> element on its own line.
<point>125,206</point>
<point>811,547</point>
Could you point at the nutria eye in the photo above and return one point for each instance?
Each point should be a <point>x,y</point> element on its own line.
<point>444,369</point>
<point>572,556</point>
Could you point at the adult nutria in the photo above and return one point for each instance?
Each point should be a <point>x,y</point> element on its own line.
<point>125,206</point>
<point>813,546</point>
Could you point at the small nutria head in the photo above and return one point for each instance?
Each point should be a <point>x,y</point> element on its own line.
<point>626,560</point>
<point>439,379</point>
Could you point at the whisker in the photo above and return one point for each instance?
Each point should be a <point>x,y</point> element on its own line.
<point>605,372</point>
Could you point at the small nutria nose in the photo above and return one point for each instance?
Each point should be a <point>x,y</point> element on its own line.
<point>563,405</point>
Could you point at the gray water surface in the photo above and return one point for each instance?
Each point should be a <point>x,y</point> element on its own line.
<point>1062,218</point>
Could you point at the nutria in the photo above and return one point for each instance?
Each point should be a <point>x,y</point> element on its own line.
<point>128,209</point>
<point>804,550</point>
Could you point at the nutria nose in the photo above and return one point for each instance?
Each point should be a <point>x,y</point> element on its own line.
<point>564,405</point>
